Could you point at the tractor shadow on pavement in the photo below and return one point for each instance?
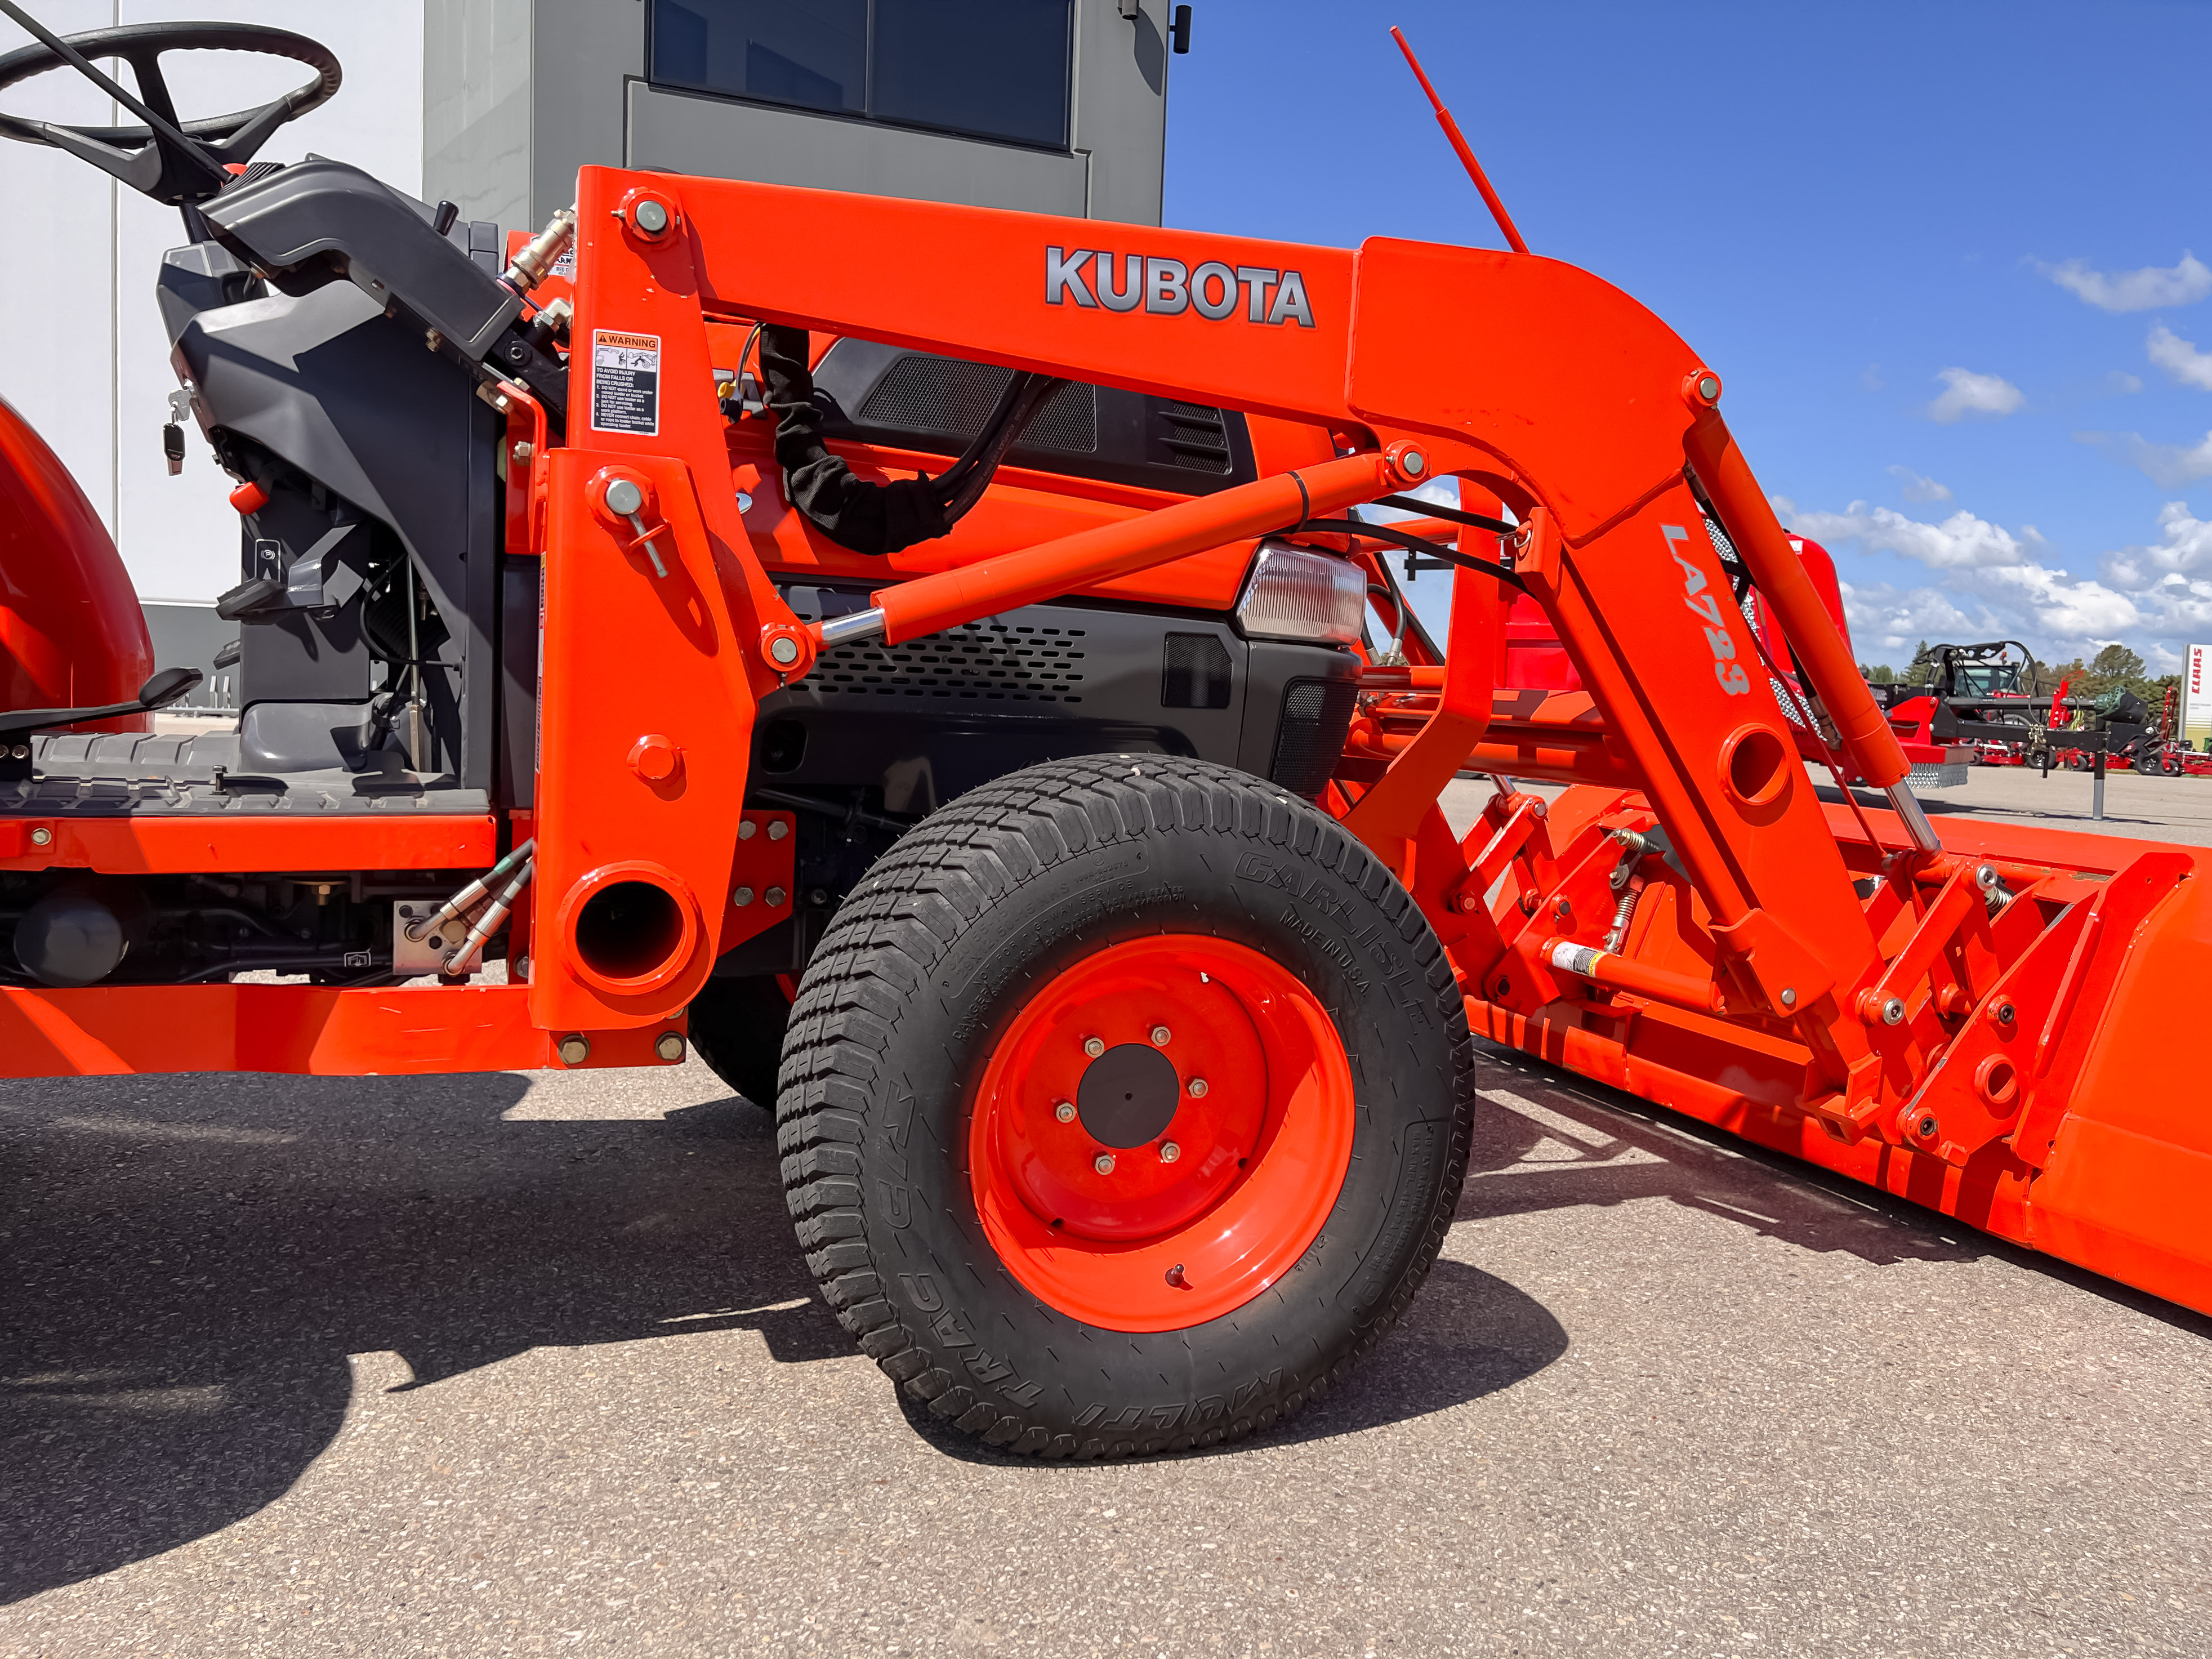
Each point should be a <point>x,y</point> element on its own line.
<point>190,1260</point>
<point>1467,1334</point>
<point>1545,1140</point>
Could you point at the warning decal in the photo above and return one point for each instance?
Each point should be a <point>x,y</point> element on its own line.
<point>625,383</point>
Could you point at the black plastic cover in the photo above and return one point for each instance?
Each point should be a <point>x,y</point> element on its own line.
<point>318,219</point>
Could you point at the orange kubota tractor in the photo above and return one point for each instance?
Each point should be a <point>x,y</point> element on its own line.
<point>913,649</point>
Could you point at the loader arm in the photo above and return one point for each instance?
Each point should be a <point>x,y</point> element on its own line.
<point>1713,939</point>
<point>1539,383</point>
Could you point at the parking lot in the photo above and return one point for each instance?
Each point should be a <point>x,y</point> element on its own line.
<point>500,1365</point>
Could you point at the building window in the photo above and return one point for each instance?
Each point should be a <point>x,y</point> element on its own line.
<point>989,69</point>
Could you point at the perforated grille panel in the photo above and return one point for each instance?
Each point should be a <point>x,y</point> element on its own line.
<point>988,662</point>
<point>923,394</point>
<point>1316,715</point>
<point>1195,437</point>
<point>1195,673</point>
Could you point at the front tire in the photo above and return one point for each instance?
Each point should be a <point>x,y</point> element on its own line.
<point>736,1024</point>
<point>1006,1184</point>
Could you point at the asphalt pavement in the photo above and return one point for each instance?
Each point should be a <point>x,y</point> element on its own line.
<point>485,1365</point>
<point>501,1364</point>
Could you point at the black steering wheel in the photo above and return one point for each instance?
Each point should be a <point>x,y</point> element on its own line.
<point>172,161</point>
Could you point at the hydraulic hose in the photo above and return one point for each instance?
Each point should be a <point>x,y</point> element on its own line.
<point>870,518</point>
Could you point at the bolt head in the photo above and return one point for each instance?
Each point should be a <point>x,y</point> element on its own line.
<point>575,1050</point>
<point>624,497</point>
<point>775,897</point>
<point>1170,1152</point>
<point>1103,1164</point>
<point>1892,1011</point>
<point>1094,1047</point>
<point>1467,901</point>
<point>42,837</point>
<point>1412,463</point>
<point>1925,1126</point>
<point>1065,1111</point>
<point>1198,1088</point>
<point>524,450</point>
<point>747,829</point>
<point>783,651</point>
<point>777,830</point>
<point>1789,996</point>
<point>670,1046</point>
<point>742,897</point>
<point>2007,1013</point>
<point>1160,1035</point>
<point>650,216</point>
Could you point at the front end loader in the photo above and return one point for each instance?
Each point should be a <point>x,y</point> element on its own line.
<point>914,650</point>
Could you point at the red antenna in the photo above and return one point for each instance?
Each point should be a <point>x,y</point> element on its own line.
<point>1459,143</point>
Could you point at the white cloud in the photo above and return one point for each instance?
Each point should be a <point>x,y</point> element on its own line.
<point>1990,583</point>
<point>2120,381</point>
<point>2170,466</point>
<point>2148,289</point>
<point>1960,542</point>
<point>2180,358</point>
<point>1915,487</point>
<point>1968,393</point>
<point>2184,549</point>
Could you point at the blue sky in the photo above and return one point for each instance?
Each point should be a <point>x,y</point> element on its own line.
<point>1947,256</point>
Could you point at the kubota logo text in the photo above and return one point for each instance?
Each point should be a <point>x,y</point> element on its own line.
<point>1088,277</point>
<point>1729,672</point>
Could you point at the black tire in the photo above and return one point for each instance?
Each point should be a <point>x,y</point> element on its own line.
<point>930,959</point>
<point>736,1024</point>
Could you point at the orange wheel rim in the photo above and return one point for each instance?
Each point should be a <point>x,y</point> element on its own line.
<point>1161,1133</point>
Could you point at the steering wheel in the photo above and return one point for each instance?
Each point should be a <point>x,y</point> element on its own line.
<point>172,161</point>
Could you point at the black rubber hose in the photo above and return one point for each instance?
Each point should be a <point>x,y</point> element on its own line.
<point>869,518</point>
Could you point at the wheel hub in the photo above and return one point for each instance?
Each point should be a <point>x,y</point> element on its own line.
<point>1176,1097</point>
<point>1128,1096</point>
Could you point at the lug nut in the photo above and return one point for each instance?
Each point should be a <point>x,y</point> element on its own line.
<point>1170,1152</point>
<point>1103,1164</point>
<point>1198,1088</point>
<point>1160,1035</point>
<point>1094,1047</point>
<point>1065,1111</point>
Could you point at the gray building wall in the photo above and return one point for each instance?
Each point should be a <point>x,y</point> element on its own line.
<point>520,94</point>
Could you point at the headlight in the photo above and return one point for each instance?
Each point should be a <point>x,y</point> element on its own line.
<point>1293,594</point>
